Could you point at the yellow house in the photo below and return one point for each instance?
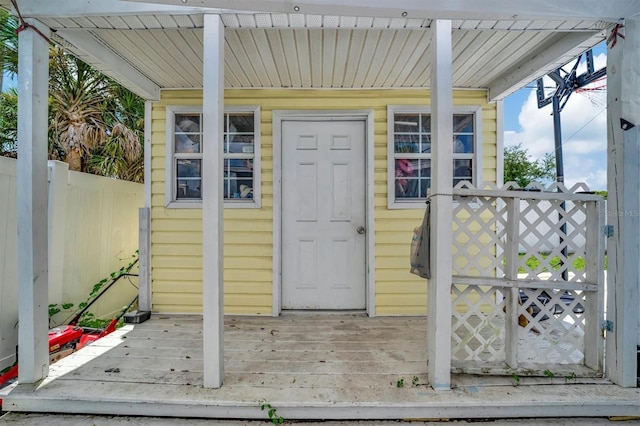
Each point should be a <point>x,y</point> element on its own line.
<point>290,148</point>
<point>322,191</point>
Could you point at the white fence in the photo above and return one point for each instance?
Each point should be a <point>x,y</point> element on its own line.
<point>513,316</point>
<point>93,231</point>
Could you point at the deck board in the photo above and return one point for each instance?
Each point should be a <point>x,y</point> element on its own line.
<point>309,366</point>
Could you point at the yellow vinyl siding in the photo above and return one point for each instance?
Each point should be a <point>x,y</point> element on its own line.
<point>176,233</point>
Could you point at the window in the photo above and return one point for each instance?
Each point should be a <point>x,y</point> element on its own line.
<point>241,187</point>
<point>409,153</point>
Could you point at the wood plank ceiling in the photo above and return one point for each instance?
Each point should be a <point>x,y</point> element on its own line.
<point>314,51</point>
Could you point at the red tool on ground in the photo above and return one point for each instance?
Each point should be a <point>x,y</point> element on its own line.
<point>66,339</point>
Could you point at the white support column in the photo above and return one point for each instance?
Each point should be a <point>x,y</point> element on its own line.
<point>623,177</point>
<point>212,201</point>
<point>439,286</point>
<point>33,292</point>
<point>144,218</point>
<point>144,259</point>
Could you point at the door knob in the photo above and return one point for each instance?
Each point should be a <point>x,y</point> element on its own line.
<point>360,229</point>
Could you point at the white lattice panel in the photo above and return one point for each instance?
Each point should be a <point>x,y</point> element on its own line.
<point>528,281</point>
<point>478,235</point>
<point>554,327</point>
<point>553,236</point>
<point>478,324</point>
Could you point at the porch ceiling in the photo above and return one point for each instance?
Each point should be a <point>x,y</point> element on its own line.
<point>147,52</point>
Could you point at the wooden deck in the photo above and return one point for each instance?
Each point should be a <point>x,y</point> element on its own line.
<point>306,366</point>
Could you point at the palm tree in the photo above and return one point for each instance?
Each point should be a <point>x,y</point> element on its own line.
<point>8,45</point>
<point>121,156</point>
<point>95,124</point>
<point>77,94</point>
<point>9,123</point>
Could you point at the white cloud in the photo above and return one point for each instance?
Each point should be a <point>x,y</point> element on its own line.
<point>584,134</point>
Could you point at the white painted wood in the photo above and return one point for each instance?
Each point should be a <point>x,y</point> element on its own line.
<point>83,8</point>
<point>524,283</point>
<point>148,132</point>
<point>136,48</point>
<point>323,202</point>
<point>434,9</point>
<point>303,56</point>
<point>547,194</point>
<point>279,57</point>
<point>144,254</point>
<point>594,272</point>
<point>371,229</point>
<point>355,381</point>
<point>92,47</point>
<point>9,263</point>
<point>57,209</point>
<point>439,286</point>
<point>356,50</point>
<point>277,118</point>
<point>212,202</point>
<point>499,144</point>
<point>276,288</point>
<point>551,57</point>
<point>385,59</point>
<point>33,292</point>
<point>511,273</point>
<point>144,260</point>
<point>328,56</point>
<point>247,40</point>
<point>316,37</point>
<point>623,177</point>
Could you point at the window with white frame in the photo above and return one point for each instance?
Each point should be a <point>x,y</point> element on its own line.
<point>409,155</point>
<point>241,187</point>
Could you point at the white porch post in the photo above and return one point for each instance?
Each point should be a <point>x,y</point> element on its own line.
<point>144,219</point>
<point>212,201</point>
<point>33,292</point>
<point>439,286</point>
<point>623,177</point>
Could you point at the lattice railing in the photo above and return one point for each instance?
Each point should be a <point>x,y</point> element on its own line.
<point>528,279</point>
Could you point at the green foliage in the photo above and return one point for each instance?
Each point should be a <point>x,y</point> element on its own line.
<point>548,373</point>
<point>571,376</point>
<point>520,168</point>
<point>9,123</point>
<point>271,412</point>
<point>516,379</point>
<point>602,193</point>
<point>88,319</point>
<point>95,124</point>
<point>400,383</point>
<point>8,43</point>
<point>533,262</point>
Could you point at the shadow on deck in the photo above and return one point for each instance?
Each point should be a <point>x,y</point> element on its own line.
<point>307,366</point>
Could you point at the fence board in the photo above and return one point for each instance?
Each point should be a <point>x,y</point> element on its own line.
<point>100,236</point>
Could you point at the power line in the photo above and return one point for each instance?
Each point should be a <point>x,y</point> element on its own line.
<point>585,125</point>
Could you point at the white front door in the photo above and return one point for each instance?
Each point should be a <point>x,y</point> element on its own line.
<point>323,214</point>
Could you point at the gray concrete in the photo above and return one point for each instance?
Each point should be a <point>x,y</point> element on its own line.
<point>34,419</point>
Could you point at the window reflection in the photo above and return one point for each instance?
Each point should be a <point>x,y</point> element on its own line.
<point>189,179</point>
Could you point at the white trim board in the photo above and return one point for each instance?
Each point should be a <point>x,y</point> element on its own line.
<point>278,117</point>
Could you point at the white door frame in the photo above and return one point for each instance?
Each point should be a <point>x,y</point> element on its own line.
<point>310,115</point>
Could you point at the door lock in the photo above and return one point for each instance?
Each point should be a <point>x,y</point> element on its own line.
<point>360,229</point>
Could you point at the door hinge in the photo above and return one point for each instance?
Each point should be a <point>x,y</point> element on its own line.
<point>607,230</point>
<point>607,325</point>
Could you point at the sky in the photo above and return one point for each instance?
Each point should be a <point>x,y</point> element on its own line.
<point>584,134</point>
